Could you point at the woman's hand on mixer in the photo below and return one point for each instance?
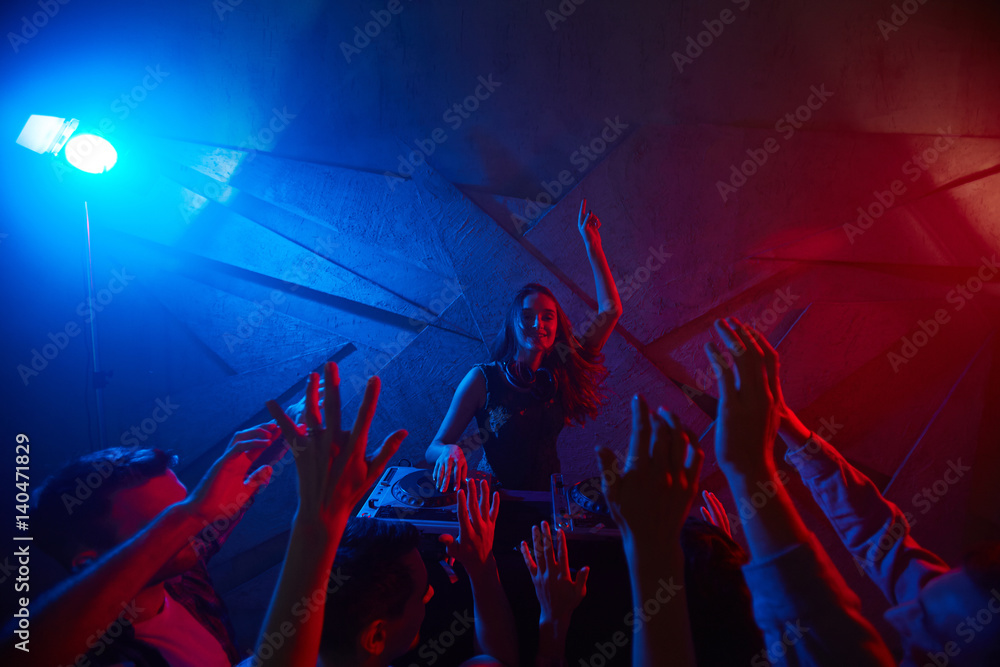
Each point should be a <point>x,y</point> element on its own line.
<point>450,465</point>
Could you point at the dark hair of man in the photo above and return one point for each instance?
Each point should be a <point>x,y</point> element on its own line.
<point>368,581</point>
<point>71,508</point>
<point>579,371</point>
<point>718,599</point>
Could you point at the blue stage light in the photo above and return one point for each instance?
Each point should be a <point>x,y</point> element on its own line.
<point>91,153</point>
<point>87,152</point>
<point>46,134</point>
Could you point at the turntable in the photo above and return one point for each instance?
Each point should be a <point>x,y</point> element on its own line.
<point>409,494</point>
<point>581,510</point>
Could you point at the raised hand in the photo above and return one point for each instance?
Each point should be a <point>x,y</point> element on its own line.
<point>747,420</point>
<point>229,480</point>
<point>790,426</point>
<point>588,224</point>
<point>297,411</point>
<point>649,501</point>
<point>333,475</point>
<point>477,518</point>
<point>714,513</point>
<point>333,471</point>
<point>450,465</point>
<point>548,562</point>
<point>652,496</point>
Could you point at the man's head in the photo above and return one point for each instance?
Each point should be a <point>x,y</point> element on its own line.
<point>958,610</point>
<point>378,591</point>
<point>100,500</point>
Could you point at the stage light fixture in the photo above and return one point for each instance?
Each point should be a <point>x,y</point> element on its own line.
<point>87,152</point>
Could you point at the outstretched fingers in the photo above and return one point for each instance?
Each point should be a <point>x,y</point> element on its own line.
<point>548,546</point>
<point>288,428</point>
<point>539,549</point>
<point>464,522</point>
<point>562,555</point>
<point>608,461</point>
<point>638,446</point>
<point>331,396</point>
<point>314,420</point>
<point>386,451</point>
<point>727,379</point>
<point>366,413</point>
<point>716,511</point>
<point>528,560</point>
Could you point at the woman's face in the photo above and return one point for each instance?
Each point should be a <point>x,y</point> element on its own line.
<point>538,324</point>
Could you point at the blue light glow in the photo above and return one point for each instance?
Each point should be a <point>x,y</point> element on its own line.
<point>91,153</point>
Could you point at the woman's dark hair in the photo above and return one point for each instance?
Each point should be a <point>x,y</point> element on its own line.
<point>72,507</point>
<point>578,370</point>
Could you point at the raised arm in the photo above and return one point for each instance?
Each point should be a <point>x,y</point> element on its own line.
<point>333,475</point>
<point>63,619</point>
<point>874,530</point>
<point>795,586</point>
<point>445,452</point>
<point>609,304</point>
<point>477,516</point>
<point>558,594</point>
<point>649,500</point>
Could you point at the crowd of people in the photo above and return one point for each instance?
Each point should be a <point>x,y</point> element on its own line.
<point>353,591</point>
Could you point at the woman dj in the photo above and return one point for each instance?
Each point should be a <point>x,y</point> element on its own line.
<point>541,377</point>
